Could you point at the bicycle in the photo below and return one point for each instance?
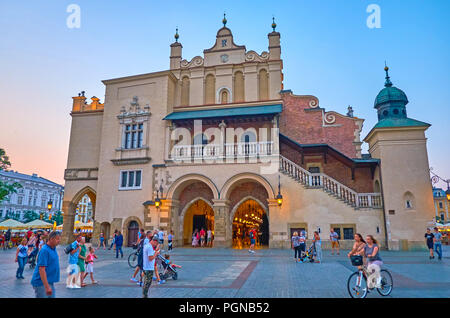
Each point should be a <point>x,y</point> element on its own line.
<point>133,257</point>
<point>360,288</point>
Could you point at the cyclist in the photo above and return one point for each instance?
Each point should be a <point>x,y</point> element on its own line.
<point>371,252</point>
<point>358,247</point>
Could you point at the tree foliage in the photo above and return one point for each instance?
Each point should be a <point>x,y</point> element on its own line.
<point>6,188</point>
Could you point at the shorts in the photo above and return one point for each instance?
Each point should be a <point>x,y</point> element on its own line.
<point>73,269</point>
<point>430,245</point>
<point>252,241</point>
<point>140,261</point>
<point>209,239</point>
<point>334,244</point>
<point>90,268</point>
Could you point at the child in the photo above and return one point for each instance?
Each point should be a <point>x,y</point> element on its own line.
<point>167,256</point>
<point>90,264</point>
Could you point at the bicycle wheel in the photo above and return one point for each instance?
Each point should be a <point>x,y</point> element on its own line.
<point>133,260</point>
<point>387,283</point>
<point>355,288</point>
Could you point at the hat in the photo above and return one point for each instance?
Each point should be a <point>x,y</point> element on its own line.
<point>155,238</point>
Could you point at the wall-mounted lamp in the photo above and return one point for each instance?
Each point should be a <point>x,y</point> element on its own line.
<point>279,196</point>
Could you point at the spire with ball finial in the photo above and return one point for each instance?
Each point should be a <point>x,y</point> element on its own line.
<point>274,25</point>
<point>176,36</point>
<point>388,82</point>
<point>224,21</point>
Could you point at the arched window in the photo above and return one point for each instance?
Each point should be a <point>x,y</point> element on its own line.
<point>239,88</point>
<point>409,200</point>
<point>210,89</point>
<point>185,91</point>
<point>263,85</point>
<point>224,96</point>
<point>248,136</point>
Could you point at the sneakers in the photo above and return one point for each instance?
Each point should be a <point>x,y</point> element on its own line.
<point>154,278</point>
<point>139,283</point>
<point>161,282</point>
<point>76,286</point>
<point>133,279</point>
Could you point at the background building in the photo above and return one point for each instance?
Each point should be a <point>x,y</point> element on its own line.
<point>441,205</point>
<point>84,210</point>
<point>32,198</point>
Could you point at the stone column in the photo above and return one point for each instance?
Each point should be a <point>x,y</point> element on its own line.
<point>69,209</point>
<point>96,232</point>
<point>222,224</point>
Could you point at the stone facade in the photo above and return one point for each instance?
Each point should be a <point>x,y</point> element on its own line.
<point>256,142</point>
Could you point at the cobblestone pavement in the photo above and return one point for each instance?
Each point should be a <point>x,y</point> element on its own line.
<point>239,274</point>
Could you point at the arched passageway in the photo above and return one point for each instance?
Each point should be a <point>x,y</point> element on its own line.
<point>250,214</point>
<point>198,215</point>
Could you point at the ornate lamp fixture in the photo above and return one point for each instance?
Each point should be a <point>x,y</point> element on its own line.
<point>435,179</point>
<point>279,197</point>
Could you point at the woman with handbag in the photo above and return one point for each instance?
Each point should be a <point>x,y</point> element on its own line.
<point>358,247</point>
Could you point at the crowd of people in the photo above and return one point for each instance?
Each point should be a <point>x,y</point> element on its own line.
<point>202,238</point>
<point>42,245</point>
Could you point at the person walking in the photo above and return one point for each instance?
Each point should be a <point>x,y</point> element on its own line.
<point>113,240</point>
<point>209,238</point>
<point>430,242</point>
<point>202,237</point>
<point>295,244</point>
<point>7,238</point>
<point>302,246</point>
<point>194,238</point>
<point>437,243</point>
<point>72,269</point>
<point>119,243</point>
<point>161,237</point>
<point>140,260</point>
<point>46,272</point>
<point>317,247</point>
<point>334,238</point>
<point>21,258</point>
<point>149,256</point>
<point>170,241</point>
<point>90,265</point>
<point>101,241</point>
<point>82,260</point>
<point>252,235</point>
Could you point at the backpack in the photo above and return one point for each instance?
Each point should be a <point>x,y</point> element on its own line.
<point>68,249</point>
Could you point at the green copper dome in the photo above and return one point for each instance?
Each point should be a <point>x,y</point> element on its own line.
<point>390,101</point>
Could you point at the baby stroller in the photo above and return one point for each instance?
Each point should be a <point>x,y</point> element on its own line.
<point>166,270</point>
<point>32,258</point>
<point>308,255</point>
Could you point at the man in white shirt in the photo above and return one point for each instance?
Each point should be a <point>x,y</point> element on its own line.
<point>161,237</point>
<point>149,262</point>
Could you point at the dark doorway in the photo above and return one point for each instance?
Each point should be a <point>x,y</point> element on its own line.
<point>199,222</point>
<point>133,229</point>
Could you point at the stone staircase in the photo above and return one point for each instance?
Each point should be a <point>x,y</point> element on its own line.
<point>330,186</point>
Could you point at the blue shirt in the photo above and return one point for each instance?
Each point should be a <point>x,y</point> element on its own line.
<point>170,237</point>
<point>47,257</point>
<point>73,258</point>
<point>438,237</point>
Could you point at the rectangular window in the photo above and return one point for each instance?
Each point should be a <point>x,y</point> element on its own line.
<point>134,136</point>
<point>348,233</point>
<point>19,200</point>
<point>130,179</point>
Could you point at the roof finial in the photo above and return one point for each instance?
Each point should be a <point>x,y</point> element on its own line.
<point>274,25</point>
<point>388,82</point>
<point>176,36</point>
<point>224,21</point>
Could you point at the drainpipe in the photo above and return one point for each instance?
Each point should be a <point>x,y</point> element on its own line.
<point>384,210</point>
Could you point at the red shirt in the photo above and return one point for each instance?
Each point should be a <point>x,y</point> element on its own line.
<point>29,234</point>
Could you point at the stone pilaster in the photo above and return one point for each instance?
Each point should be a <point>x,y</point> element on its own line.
<point>222,224</point>
<point>276,239</point>
<point>96,232</point>
<point>116,224</point>
<point>68,222</point>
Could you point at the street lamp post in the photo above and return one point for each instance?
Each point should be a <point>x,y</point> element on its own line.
<point>49,207</point>
<point>435,179</point>
<point>279,196</point>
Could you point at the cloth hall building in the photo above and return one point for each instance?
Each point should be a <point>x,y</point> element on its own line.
<point>217,143</point>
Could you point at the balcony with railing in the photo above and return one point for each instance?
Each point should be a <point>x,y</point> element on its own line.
<point>220,151</point>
